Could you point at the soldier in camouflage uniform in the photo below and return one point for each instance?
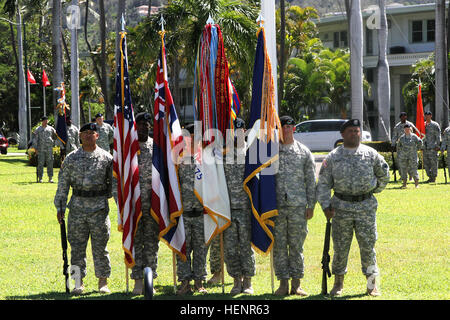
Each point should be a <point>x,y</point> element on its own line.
<point>105,133</point>
<point>73,136</point>
<point>194,267</point>
<point>45,137</point>
<point>238,254</point>
<point>398,130</point>
<point>146,241</point>
<point>431,145</point>
<point>355,172</point>
<point>296,198</point>
<point>88,170</point>
<point>407,146</point>
<point>446,145</point>
<point>215,266</point>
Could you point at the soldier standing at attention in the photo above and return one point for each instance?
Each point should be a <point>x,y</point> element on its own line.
<point>105,133</point>
<point>398,130</point>
<point>194,268</point>
<point>238,254</point>
<point>446,145</point>
<point>355,172</point>
<point>296,198</point>
<point>73,136</point>
<point>407,146</point>
<point>44,142</point>
<point>88,170</point>
<point>146,241</point>
<point>431,144</point>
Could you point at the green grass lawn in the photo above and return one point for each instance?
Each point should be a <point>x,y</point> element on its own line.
<point>412,248</point>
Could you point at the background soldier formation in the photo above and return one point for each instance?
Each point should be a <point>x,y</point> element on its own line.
<point>354,171</point>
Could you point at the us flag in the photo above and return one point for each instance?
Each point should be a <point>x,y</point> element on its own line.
<point>167,138</point>
<point>126,148</point>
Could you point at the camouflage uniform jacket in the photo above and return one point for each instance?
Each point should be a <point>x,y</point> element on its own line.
<point>45,138</point>
<point>186,174</point>
<point>432,138</point>
<point>87,171</point>
<point>446,140</point>
<point>145,173</point>
<point>234,174</point>
<point>296,177</point>
<point>73,139</point>
<point>399,129</point>
<point>105,136</point>
<point>407,146</point>
<point>352,172</point>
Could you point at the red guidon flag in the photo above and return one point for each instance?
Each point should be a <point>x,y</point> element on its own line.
<point>420,122</point>
<point>30,77</point>
<point>45,81</point>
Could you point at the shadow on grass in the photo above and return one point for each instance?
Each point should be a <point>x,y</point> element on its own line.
<point>15,160</point>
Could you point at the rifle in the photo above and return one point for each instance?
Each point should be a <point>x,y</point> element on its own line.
<point>445,165</point>
<point>64,249</point>
<point>394,167</point>
<point>326,258</point>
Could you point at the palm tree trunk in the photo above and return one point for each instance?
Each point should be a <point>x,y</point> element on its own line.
<point>22,112</point>
<point>282,49</point>
<point>441,103</point>
<point>104,84</point>
<point>56,49</point>
<point>383,81</point>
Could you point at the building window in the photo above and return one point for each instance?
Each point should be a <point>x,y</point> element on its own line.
<point>340,39</point>
<point>369,41</point>
<point>430,30</point>
<point>417,32</point>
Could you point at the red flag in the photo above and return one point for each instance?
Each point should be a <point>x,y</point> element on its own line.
<point>45,81</point>
<point>420,122</point>
<point>30,77</point>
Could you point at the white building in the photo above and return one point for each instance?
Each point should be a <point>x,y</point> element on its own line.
<point>410,38</point>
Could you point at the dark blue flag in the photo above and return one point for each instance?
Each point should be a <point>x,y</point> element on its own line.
<point>61,126</point>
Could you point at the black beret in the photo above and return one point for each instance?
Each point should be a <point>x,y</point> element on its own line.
<point>239,123</point>
<point>403,114</point>
<point>89,126</point>
<point>407,125</point>
<point>286,120</point>
<point>143,116</point>
<point>428,112</point>
<point>44,118</point>
<point>98,115</point>
<point>190,128</point>
<point>350,123</point>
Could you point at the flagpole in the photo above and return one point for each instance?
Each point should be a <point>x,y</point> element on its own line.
<point>126,277</point>
<point>222,263</point>
<point>174,272</point>
<point>271,271</point>
<point>43,94</point>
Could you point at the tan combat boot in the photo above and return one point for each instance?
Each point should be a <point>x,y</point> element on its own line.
<point>372,289</point>
<point>103,285</point>
<point>237,287</point>
<point>215,278</point>
<point>198,286</point>
<point>185,288</point>
<point>295,288</point>
<point>338,285</point>
<point>138,287</point>
<point>247,285</point>
<point>283,289</point>
<point>416,182</point>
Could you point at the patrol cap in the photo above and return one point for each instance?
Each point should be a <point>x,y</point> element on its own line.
<point>403,113</point>
<point>428,112</point>
<point>350,123</point>
<point>286,120</point>
<point>89,126</point>
<point>190,128</point>
<point>44,118</point>
<point>98,115</point>
<point>143,116</point>
<point>407,125</point>
<point>239,123</point>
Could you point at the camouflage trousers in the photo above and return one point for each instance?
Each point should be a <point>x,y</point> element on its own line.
<point>146,245</point>
<point>289,235</point>
<point>430,162</point>
<point>238,254</point>
<point>194,268</point>
<point>81,225</point>
<point>45,157</point>
<point>214,255</point>
<point>365,228</point>
<point>408,166</point>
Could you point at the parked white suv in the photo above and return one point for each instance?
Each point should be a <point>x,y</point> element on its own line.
<point>323,134</point>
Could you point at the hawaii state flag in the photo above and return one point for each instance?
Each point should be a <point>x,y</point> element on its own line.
<point>420,121</point>
<point>167,206</point>
<point>125,158</point>
<point>262,152</point>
